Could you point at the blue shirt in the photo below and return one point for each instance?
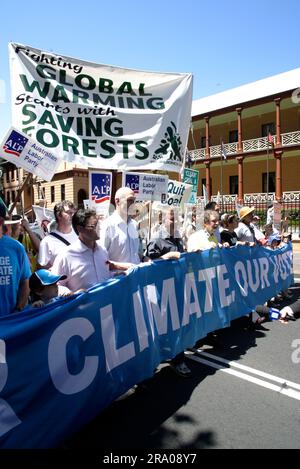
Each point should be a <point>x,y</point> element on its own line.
<point>14,267</point>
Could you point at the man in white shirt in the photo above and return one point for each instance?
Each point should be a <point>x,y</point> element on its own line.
<point>57,240</point>
<point>119,234</point>
<point>205,239</point>
<point>216,208</point>
<point>85,262</point>
<point>245,231</point>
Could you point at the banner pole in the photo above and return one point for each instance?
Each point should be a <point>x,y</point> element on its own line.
<point>150,221</point>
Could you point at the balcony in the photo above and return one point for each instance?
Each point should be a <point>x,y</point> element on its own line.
<point>290,206</point>
<point>249,146</point>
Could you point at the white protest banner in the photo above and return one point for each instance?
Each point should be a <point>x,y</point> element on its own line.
<point>100,190</point>
<point>99,115</point>
<point>42,213</point>
<point>25,152</point>
<point>43,217</point>
<point>178,195</point>
<point>147,186</point>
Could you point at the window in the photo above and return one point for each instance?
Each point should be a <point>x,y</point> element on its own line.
<point>233,136</point>
<point>81,196</point>
<point>7,197</point>
<point>63,192</point>
<point>52,192</point>
<point>271,187</point>
<point>233,184</point>
<point>7,176</point>
<point>203,142</point>
<point>266,128</point>
<point>13,196</point>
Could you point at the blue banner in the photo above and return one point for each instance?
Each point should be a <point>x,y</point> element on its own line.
<point>62,364</point>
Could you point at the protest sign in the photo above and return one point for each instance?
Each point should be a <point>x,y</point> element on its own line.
<point>99,115</point>
<point>191,176</point>
<point>100,191</point>
<point>147,186</point>
<point>178,195</point>
<point>25,152</point>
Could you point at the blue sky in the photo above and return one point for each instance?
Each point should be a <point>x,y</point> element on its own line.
<point>224,43</point>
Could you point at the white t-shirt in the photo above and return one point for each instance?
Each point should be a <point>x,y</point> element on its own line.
<point>84,267</point>
<point>244,233</point>
<point>50,246</point>
<point>120,239</point>
<point>201,240</point>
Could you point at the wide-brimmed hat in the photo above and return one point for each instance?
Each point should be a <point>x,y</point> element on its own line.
<point>245,211</point>
<point>43,277</point>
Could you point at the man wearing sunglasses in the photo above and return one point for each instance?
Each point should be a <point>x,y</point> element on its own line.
<point>85,262</point>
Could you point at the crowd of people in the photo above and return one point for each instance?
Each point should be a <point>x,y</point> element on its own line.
<point>82,251</point>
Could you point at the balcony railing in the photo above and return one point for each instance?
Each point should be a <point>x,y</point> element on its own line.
<point>252,145</point>
<point>290,206</point>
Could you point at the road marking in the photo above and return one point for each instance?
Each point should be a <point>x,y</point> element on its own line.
<point>285,387</point>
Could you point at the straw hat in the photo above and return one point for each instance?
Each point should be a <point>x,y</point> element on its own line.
<point>245,211</point>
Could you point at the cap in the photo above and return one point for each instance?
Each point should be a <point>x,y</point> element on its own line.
<point>245,211</point>
<point>43,277</point>
<point>273,237</point>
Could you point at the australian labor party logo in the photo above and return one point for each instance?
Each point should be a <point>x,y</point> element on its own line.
<point>133,181</point>
<point>15,143</point>
<point>101,187</point>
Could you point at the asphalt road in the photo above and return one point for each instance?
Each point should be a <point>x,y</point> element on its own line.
<point>220,406</point>
<point>245,394</point>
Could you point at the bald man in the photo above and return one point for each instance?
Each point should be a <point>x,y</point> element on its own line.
<point>119,234</point>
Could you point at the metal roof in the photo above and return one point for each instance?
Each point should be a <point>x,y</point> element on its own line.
<point>252,91</point>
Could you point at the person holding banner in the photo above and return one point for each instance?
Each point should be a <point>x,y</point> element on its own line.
<point>14,272</point>
<point>119,234</point>
<point>228,235</point>
<point>58,239</point>
<point>245,230</point>
<point>216,207</point>
<point>85,263</point>
<point>167,244</point>
<point>205,239</point>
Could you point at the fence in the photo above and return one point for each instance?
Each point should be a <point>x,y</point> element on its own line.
<point>290,212</point>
